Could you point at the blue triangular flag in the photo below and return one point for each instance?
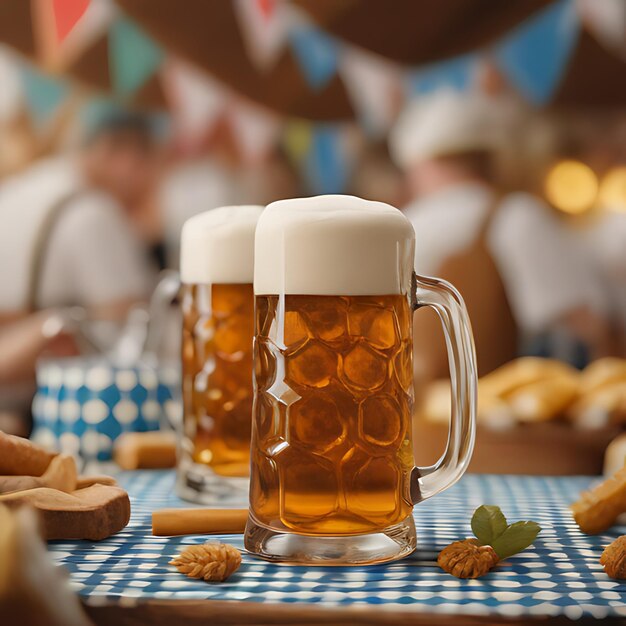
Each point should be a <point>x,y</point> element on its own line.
<point>43,94</point>
<point>535,55</point>
<point>133,55</point>
<point>454,73</point>
<point>316,54</point>
<point>326,167</point>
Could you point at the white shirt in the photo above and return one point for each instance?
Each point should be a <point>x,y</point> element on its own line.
<point>191,188</point>
<point>91,256</point>
<point>542,275</point>
<point>603,240</point>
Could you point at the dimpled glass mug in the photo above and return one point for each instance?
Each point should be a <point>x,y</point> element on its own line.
<point>332,478</point>
<point>217,258</point>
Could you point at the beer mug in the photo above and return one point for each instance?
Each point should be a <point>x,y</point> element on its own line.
<point>333,479</point>
<point>217,259</point>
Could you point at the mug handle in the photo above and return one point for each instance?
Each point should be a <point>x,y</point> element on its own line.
<point>449,306</point>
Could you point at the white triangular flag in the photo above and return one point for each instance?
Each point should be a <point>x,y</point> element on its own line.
<point>264,31</point>
<point>607,20</point>
<point>374,85</point>
<point>254,129</point>
<point>196,100</point>
<point>12,93</point>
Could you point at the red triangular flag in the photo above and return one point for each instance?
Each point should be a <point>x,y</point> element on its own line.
<point>66,14</point>
<point>266,7</point>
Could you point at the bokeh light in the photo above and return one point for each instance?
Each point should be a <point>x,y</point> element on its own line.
<point>612,194</point>
<point>571,187</point>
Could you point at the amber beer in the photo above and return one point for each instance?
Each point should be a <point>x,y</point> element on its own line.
<point>217,374</point>
<point>333,478</point>
<point>347,425</point>
<point>218,327</point>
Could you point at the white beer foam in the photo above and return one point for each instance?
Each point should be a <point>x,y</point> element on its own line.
<point>333,245</point>
<point>217,246</point>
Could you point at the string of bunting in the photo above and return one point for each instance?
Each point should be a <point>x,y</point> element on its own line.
<point>533,57</point>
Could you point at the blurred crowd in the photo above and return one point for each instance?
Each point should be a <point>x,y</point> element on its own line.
<point>87,228</point>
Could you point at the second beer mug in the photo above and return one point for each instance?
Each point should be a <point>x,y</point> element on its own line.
<point>217,252</point>
<point>333,478</point>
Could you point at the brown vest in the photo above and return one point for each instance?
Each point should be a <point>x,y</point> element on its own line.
<point>474,273</point>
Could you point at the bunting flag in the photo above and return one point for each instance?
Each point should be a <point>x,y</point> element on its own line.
<point>196,101</point>
<point>264,26</point>
<point>326,166</point>
<point>254,130</point>
<point>607,20</point>
<point>66,39</point>
<point>456,73</point>
<point>316,53</point>
<point>12,93</point>
<point>134,57</point>
<point>297,140</point>
<point>43,95</point>
<point>66,14</point>
<point>374,86</point>
<point>534,56</point>
<point>88,29</point>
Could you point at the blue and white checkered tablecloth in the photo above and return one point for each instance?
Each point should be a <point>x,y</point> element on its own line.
<point>559,575</point>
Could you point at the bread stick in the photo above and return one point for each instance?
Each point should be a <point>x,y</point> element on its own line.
<point>597,509</point>
<point>168,522</point>
<point>615,456</point>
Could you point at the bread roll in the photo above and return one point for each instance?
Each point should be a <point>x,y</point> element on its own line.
<point>599,408</point>
<point>510,377</point>
<point>151,450</point>
<point>544,400</point>
<point>492,411</point>
<point>602,373</point>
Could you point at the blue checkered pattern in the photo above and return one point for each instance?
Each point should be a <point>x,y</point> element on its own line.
<point>82,405</point>
<point>559,575</point>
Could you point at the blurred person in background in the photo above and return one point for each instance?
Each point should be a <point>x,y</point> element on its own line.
<point>600,233</point>
<point>67,240</point>
<point>197,182</point>
<point>525,288</point>
<point>602,238</point>
<point>375,177</point>
<point>220,175</point>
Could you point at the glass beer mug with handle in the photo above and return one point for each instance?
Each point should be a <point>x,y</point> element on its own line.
<point>217,261</point>
<point>333,479</point>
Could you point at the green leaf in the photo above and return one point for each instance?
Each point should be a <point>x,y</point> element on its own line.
<point>515,538</point>
<point>488,523</point>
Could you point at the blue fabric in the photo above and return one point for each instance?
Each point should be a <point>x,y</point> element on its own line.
<point>80,407</point>
<point>534,56</point>
<point>558,576</point>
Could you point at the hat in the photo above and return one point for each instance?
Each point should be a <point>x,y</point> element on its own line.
<point>444,123</point>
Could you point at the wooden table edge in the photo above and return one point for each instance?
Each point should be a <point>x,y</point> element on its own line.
<point>231,613</point>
